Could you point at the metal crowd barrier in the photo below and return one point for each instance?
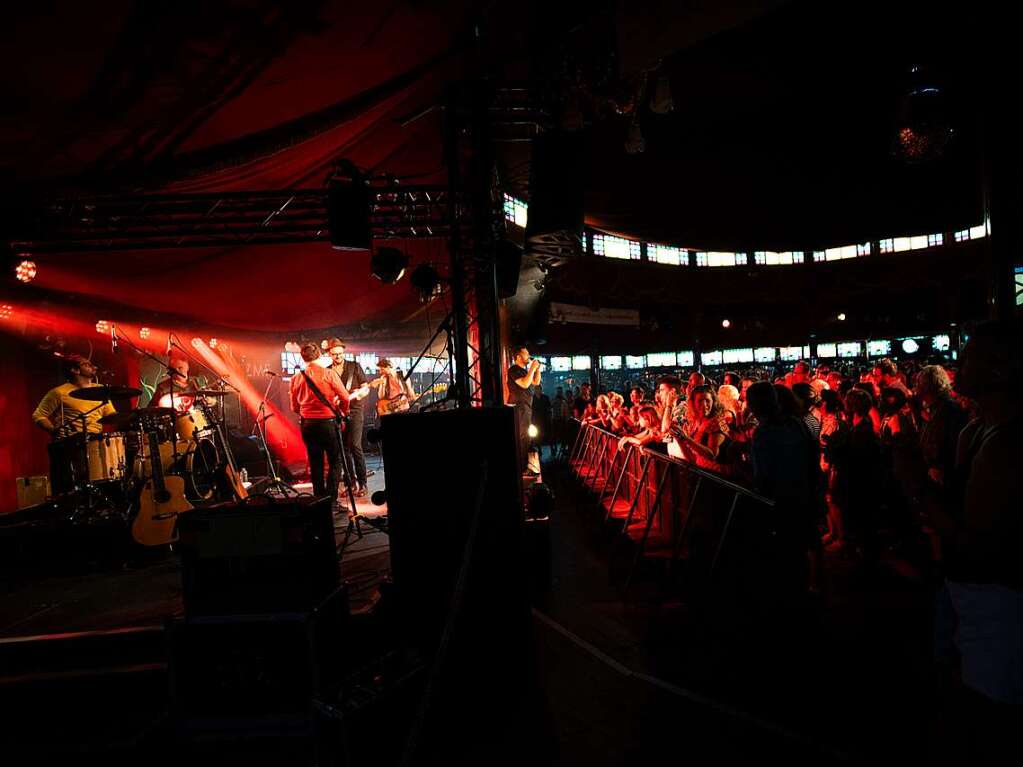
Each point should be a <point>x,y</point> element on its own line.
<point>669,508</point>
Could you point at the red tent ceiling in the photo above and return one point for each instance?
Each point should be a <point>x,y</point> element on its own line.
<point>270,287</point>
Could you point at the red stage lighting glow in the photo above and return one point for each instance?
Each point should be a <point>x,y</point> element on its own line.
<point>26,271</point>
<point>282,435</point>
<point>102,327</point>
<point>6,310</point>
<point>144,333</point>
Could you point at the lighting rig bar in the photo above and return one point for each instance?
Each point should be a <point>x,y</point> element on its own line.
<point>225,219</point>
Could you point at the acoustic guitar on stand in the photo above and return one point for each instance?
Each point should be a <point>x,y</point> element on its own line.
<point>161,501</point>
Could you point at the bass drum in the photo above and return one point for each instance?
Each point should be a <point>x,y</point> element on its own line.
<point>200,466</point>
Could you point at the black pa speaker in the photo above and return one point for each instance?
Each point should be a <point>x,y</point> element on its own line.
<point>257,557</point>
<point>556,202</point>
<point>508,264</point>
<point>348,215</point>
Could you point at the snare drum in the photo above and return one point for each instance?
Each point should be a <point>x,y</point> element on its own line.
<point>106,457</point>
<point>192,424</point>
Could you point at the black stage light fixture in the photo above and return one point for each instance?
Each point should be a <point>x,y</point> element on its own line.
<point>348,213</point>
<point>388,265</point>
<point>426,281</point>
<point>923,124</point>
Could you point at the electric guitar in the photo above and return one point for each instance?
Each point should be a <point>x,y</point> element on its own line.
<point>395,404</point>
<point>161,500</point>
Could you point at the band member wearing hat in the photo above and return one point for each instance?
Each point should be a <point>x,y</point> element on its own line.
<point>354,379</point>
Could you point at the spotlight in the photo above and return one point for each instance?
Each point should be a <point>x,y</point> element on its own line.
<point>213,343</point>
<point>533,431</point>
<point>426,281</point>
<point>144,333</point>
<point>388,265</point>
<point>26,271</point>
<point>726,323</point>
<point>841,316</point>
<point>103,327</point>
<point>910,346</point>
<point>6,310</point>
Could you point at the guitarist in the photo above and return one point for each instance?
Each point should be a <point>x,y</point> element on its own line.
<point>318,418</point>
<point>395,393</point>
<point>354,380</point>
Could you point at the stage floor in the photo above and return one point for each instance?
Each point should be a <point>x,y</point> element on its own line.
<point>145,594</point>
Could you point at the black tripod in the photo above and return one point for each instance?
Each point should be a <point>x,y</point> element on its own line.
<point>276,483</point>
<point>354,517</point>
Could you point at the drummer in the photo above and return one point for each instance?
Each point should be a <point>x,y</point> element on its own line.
<point>60,414</point>
<point>176,390</point>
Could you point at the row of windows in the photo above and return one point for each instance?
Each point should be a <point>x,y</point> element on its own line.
<point>291,362</point>
<point>762,354</point>
<point>609,246</point>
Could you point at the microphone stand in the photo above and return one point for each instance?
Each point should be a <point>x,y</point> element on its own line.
<point>276,483</point>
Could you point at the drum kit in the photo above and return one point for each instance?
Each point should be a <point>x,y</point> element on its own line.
<point>101,474</point>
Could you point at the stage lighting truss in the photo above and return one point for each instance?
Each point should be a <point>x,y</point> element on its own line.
<point>197,220</point>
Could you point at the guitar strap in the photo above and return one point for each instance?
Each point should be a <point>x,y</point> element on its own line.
<point>319,395</point>
<point>351,376</point>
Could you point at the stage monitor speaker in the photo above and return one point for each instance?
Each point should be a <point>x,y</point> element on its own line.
<point>257,557</point>
<point>508,264</point>
<point>556,202</point>
<point>348,217</point>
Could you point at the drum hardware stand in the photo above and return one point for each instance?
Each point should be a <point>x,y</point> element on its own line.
<point>276,483</point>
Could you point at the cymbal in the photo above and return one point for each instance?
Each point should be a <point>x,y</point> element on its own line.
<point>129,418</point>
<point>212,393</point>
<point>101,393</point>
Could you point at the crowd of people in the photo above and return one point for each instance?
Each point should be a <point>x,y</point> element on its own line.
<point>915,461</point>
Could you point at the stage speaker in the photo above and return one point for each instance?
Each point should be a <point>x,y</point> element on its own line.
<point>257,557</point>
<point>556,203</point>
<point>455,511</point>
<point>467,480</point>
<point>348,214</point>
<point>231,673</point>
<point>508,264</point>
